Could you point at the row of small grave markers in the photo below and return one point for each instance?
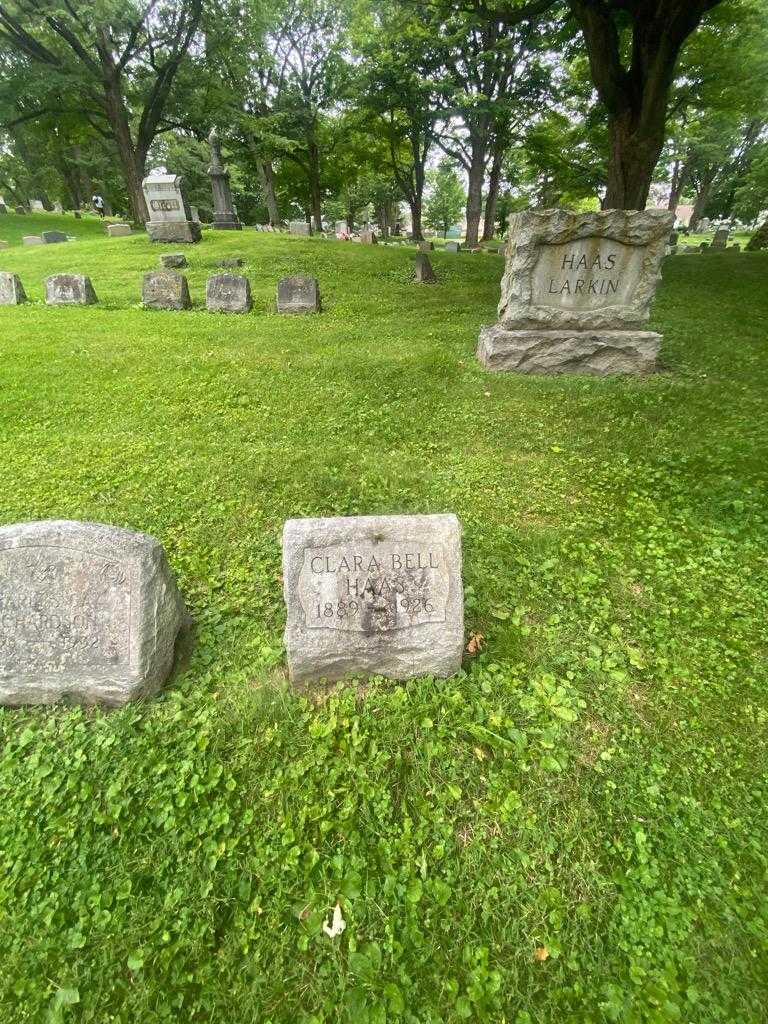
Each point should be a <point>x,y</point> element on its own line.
<point>166,289</point>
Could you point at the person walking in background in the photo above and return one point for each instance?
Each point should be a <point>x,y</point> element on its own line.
<point>98,204</point>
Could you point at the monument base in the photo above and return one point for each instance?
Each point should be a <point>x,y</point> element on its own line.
<point>596,353</point>
<point>174,231</point>
<point>226,222</point>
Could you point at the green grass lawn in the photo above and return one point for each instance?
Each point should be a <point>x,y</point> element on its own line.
<point>14,226</point>
<point>573,829</point>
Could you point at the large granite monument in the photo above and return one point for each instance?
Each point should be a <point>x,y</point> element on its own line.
<point>577,292</point>
<point>89,613</point>
<point>373,595</point>
<point>224,216</point>
<point>170,219</point>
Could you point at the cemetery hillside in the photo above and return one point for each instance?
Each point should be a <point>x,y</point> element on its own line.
<point>384,512</point>
<point>570,828</point>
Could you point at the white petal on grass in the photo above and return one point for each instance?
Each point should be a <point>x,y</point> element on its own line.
<point>338,924</point>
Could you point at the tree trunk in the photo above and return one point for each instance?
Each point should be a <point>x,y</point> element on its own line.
<point>267,178</point>
<point>702,198</point>
<point>494,180</point>
<point>315,192</point>
<point>415,204</point>
<point>475,191</point>
<point>634,152</point>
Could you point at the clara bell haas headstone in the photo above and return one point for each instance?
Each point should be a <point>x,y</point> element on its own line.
<point>577,292</point>
<point>170,218</point>
<point>89,613</point>
<point>373,595</point>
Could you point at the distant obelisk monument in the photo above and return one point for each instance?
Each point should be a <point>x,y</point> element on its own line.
<point>224,216</point>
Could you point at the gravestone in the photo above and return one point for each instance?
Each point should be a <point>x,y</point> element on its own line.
<point>90,613</point>
<point>298,295</point>
<point>195,214</point>
<point>118,230</point>
<point>165,289</point>
<point>721,238</point>
<point>373,595</point>
<point>426,246</point>
<point>170,219</point>
<point>20,210</point>
<point>692,248</point>
<point>577,292</point>
<point>11,290</point>
<point>51,237</point>
<point>424,272</point>
<point>36,206</point>
<point>228,293</point>
<point>230,262</point>
<point>224,216</point>
<point>452,246</point>
<point>299,227</point>
<point>69,290</point>
<point>32,240</point>
<point>57,207</point>
<point>705,224</point>
<point>368,237</point>
<point>4,244</point>
<point>173,260</point>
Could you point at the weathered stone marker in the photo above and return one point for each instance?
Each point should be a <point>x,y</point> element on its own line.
<point>119,230</point>
<point>426,246</point>
<point>173,260</point>
<point>424,272</point>
<point>228,293</point>
<point>170,219</point>
<point>4,244</point>
<point>230,262</point>
<point>452,246</point>
<point>224,216</point>
<point>51,237</point>
<point>165,289</point>
<point>299,227</point>
<point>69,290</point>
<point>32,240</point>
<point>298,295</point>
<point>373,595</point>
<point>11,291</point>
<point>577,292</point>
<point>721,238</point>
<point>368,237</point>
<point>89,613</point>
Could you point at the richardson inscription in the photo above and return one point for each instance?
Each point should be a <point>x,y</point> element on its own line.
<point>374,588</point>
<point>62,610</point>
<point>586,274</point>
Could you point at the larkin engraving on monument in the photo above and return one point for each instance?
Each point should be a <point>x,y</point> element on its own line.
<point>368,589</point>
<point>373,595</point>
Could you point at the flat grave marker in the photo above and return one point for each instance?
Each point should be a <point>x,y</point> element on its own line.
<point>373,595</point>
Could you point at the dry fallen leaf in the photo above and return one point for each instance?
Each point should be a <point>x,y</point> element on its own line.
<point>541,954</point>
<point>475,643</point>
<point>338,924</point>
